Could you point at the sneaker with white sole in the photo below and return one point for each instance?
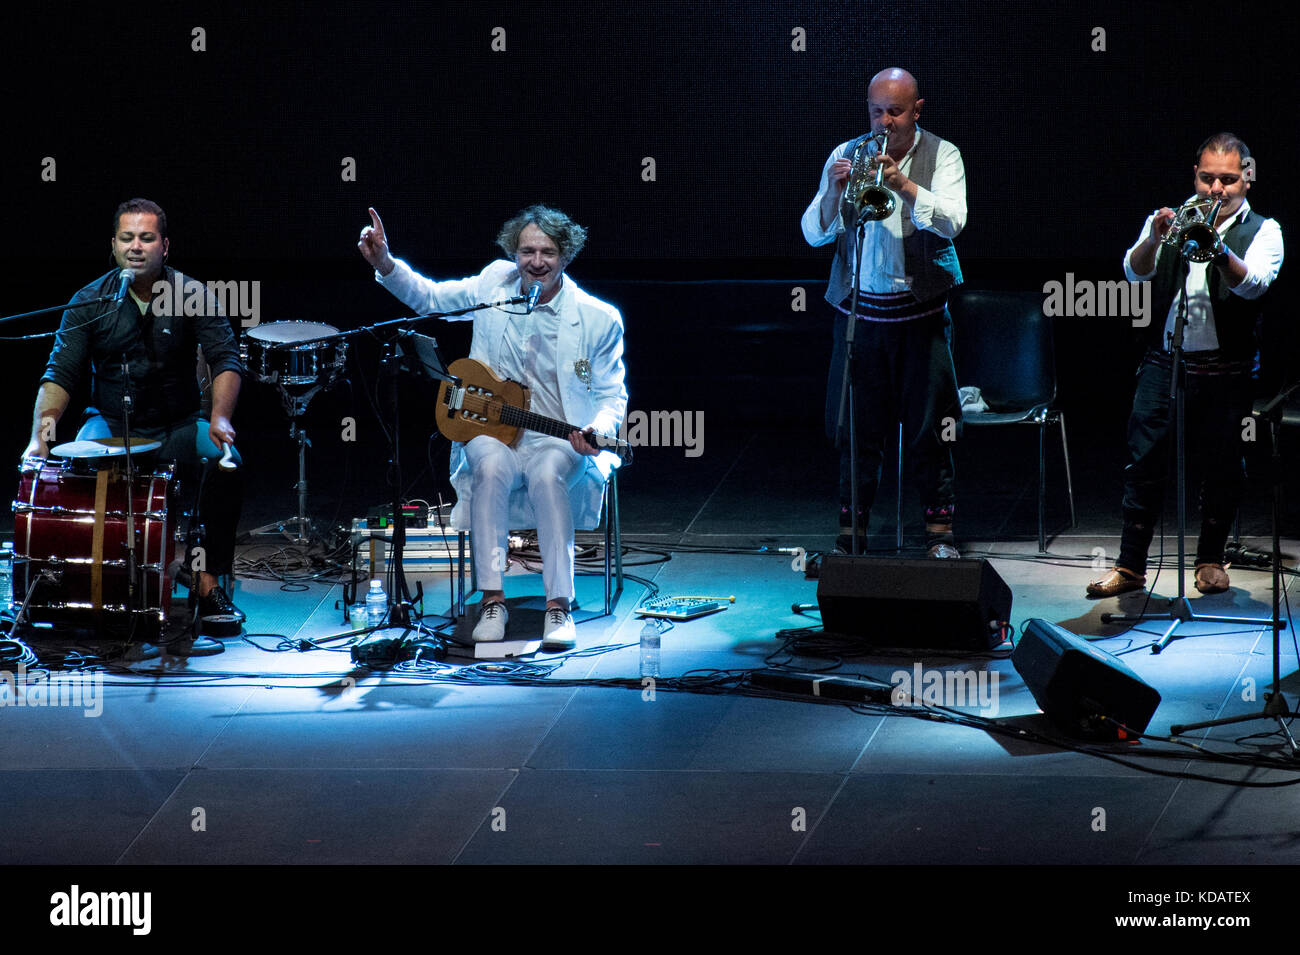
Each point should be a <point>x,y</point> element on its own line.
<point>558,632</point>
<point>491,626</point>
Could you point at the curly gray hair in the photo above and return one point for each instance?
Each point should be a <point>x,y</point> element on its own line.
<point>567,234</point>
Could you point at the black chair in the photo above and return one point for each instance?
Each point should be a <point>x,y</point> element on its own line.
<point>1003,345</point>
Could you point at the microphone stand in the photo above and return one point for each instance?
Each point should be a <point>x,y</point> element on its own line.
<point>128,402</point>
<point>1180,608</point>
<point>401,604</point>
<point>847,396</point>
<point>1275,705</point>
<point>103,299</point>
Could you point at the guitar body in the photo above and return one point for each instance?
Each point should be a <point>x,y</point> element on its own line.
<point>485,398</point>
<point>482,403</point>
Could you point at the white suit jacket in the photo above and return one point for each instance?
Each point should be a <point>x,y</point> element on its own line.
<point>590,337</point>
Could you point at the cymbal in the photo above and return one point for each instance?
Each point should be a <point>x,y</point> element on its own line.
<point>103,448</point>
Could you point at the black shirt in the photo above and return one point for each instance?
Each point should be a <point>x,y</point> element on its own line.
<point>159,345</point>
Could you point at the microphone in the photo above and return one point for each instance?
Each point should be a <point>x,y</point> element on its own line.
<point>534,293</point>
<point>124,280</point>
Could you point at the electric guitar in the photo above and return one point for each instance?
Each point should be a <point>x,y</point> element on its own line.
<point>482,403</point>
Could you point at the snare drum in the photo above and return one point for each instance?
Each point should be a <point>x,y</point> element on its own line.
<point>74,524</point>
<point>270,356</point>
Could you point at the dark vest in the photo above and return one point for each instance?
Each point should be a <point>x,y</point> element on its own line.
<point>928,257</point>
<point>1235,318</point>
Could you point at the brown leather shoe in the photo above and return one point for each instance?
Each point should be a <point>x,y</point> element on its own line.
<point>1211,578</point>
<point>1118,581</point>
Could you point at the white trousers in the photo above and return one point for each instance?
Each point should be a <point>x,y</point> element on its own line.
<point>546,468</point>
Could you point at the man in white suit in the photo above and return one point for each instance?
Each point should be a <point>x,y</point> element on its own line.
<point>568,350</point>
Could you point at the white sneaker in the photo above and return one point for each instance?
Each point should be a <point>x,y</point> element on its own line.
<point>491,626</point>
<point>558,633</point>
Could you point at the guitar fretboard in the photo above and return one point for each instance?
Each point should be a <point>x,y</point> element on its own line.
<point>497,410</point>
<point>519,418</point>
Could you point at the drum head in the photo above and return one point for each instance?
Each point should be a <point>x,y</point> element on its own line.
<point>103,448</point>
<point>288,332</point>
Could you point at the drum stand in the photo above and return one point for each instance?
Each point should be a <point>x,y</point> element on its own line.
<point>295,407</point>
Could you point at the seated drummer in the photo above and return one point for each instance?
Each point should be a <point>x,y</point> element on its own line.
<point>159,345</point>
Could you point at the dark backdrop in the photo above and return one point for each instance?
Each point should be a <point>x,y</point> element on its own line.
<point>1066,150</point>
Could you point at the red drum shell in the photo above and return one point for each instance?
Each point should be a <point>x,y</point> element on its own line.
<point>54,528</point>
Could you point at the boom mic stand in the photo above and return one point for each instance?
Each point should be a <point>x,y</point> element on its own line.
<point>1180,609</point>
<point>1275,706</point>
<point>401,603</point>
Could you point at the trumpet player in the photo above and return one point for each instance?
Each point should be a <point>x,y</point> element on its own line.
<point>1231,263</point>
<point>903,368</point>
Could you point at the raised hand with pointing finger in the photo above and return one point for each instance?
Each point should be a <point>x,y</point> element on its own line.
<point>373,245</point>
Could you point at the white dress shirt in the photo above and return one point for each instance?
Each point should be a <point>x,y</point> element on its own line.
<point>940,209</point>
<point>1263,260</point>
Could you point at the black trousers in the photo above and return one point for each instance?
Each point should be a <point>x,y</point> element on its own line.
<point>903,371</point>
<point>1215,406</point>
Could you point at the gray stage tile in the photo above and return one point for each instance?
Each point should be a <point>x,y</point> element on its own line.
<point>374,725</point>
<point>272,610</point>
<point>77,816</point>
<point>791,735</point>
<point>162,726</point>
<point>947,819</point>
<point>725,732</point>
<point>677,657</point>
<point>926,747</point>
<point>1217,824</point>
<point>653,817</point>
<point>320,817</point>
<point>612,728</point>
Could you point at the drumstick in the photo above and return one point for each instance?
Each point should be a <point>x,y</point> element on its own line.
<point>227,463</point>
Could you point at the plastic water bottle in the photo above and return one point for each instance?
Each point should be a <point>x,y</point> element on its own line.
<point>649,648</point>
<point>376,604</point>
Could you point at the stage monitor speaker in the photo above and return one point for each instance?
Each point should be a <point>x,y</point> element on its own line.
<point>1076,684</point>
<point>897,602</point>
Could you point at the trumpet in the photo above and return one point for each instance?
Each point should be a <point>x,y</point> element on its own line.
<point>865,198</point>
<point>1192,232</point>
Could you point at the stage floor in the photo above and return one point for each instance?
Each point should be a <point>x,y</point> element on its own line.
<point>277,752</point>
<point>295,756</point>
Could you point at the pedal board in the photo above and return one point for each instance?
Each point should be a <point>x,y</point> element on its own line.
<point>680,608</point>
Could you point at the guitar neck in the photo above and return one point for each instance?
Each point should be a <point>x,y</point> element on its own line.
<point>519,418</point>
